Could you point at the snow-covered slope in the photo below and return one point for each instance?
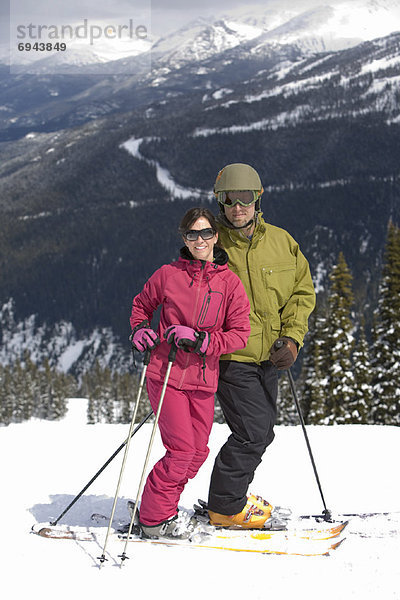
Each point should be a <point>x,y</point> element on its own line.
<point>45,464</point>
<point>336,27</point>
<point>59,343</point>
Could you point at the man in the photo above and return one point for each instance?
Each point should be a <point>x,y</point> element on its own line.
<point>277,279</point>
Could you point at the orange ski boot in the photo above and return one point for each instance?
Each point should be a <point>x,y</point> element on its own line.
<point>251,517</point>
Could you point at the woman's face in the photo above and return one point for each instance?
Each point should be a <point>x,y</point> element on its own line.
<point>201,249</point>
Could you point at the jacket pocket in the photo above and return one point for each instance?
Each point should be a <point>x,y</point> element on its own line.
<point>210,310</point>
<point>279,280</point>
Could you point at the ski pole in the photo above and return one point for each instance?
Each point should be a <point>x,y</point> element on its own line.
<point>171,360</point>
<point>326,513</point>
<point>146,361</point>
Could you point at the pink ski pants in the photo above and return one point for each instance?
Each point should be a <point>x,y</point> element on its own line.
<point>185,423</point>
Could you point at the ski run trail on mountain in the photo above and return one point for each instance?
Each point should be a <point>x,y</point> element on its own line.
<point>45,464</point>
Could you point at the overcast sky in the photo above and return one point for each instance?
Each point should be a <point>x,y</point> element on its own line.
<point>166,15</point>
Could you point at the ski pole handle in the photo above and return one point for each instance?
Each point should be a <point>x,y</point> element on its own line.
<point>278,344</point>
<point>172,352</point>
<point>147,356</point>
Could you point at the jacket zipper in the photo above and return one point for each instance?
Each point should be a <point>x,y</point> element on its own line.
<point>193,317</point>
<point>205,310</point>
<point>252,294</point>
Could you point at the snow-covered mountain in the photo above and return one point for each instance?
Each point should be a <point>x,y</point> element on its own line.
<point>309,26</point>
<point>213,51</point>
<point>202,39</point>
<point>334,27</point>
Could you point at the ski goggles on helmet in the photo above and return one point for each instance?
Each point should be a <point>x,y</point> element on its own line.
<point>192,234</point>
<point>242,197</point>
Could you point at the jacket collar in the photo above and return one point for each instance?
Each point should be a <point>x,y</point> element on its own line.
<point>220,257</point>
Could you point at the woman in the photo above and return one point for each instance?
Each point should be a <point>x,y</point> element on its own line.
<point>205,312</point>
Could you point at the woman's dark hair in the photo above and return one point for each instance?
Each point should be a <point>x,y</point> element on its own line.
<point>195,213</point>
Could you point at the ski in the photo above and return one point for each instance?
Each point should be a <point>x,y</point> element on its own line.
<point>286,546</point>
<point>294,530</point>
<point>282,535</point>
<point>80,534</point>
<point>260,542</point>
<point>314,534</point>
<point>256,535</point>
<point>296,527</point>
<point>344,516</point>
<point>289,518</point>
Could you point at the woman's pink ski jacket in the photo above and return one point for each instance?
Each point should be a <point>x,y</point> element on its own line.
<point>205,296</point>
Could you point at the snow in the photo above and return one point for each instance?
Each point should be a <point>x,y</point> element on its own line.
<point>70,355</point>
<point>202,38</point>
<point>294,87</point>
<point>319,277</point>
<point>337,26</point>
<point>378,86</point>
<point>164,177</point>
<point>246,32</point>
<point>381,64</point>
<point>45,464</point>
<point>218,94</point>
<point>279,120</point>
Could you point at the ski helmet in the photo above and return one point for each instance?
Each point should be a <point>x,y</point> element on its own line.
<point>238,176</point>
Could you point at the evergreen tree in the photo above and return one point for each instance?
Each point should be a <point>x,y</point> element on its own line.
<point>21,400</point>
<point>29,391</point>
<point>65,386</point>
<point>44,409</point>
<point>31,387</point>
<point>106,396</point>
<point>341,388</point>
<point>87,393</point>
<point>128,388</point>
<point>6,396</point>
<point>92,386</point>
<point>287,412</point>
<point>55,388</point>
<point>362,406</point>
<point>124,397</point>
<point>316,366</point>
<point>386,361</point>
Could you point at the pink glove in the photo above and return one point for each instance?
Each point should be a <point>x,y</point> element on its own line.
<point>186,338</point>
<point>145,338</point>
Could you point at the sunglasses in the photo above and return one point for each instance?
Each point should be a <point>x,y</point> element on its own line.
<point>243,197</point>
<point>193,234</point>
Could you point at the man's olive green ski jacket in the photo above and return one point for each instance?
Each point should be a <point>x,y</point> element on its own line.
<point>277,280</point>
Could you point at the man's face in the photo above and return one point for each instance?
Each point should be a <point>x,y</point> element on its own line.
<point>239,215</point>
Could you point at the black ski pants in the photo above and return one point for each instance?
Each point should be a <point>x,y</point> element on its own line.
<point>247,393</point>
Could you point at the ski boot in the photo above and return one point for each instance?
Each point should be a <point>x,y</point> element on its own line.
<point>175,529</point>
<point>279,516</point>
<point>257,514</point>
<point>260,502</point>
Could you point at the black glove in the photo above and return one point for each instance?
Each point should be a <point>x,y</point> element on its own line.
<point>284,352</point>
